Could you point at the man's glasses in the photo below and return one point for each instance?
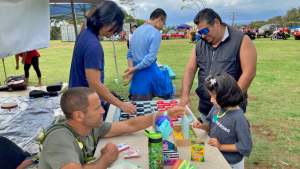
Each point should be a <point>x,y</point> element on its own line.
<point>163,21</point>
<point>205,31</point>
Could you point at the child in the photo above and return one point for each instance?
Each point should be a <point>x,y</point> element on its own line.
<point>229,128</point>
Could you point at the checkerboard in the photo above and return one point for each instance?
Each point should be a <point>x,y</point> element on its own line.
<point>145,108</point>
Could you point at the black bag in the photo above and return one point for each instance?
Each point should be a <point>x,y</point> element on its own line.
<point>3,87</point>
<point>54,87</point>
<point>40,93</point>
<point>24,87</point>
<point>15,78</point>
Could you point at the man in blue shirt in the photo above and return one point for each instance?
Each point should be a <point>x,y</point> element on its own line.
<point>147,80</point>
<point>87,68</point>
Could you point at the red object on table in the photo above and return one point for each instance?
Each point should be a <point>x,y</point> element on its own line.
<point>179,116</point>
<point>160,102</point>
<point>173,101</point>
<point>174,119</point>
<point>168,108</point>
<point>160,106</point>
<point>167,104</point>
<point>173,105</point>
<point>164,35</point>
<point>162,110</point>
<point>177,35</point>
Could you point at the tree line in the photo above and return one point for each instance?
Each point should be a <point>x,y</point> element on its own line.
<point>292,18</point>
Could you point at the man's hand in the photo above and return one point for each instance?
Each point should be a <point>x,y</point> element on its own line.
<point>197,124</point>
<point>23,61</point>
<point>185,101</point>
<point>175,111</point>
<point>214,142</point>
<point>17,67</point>
<point>128,108</point>
<point>110,152</point>
<point>128,77</point>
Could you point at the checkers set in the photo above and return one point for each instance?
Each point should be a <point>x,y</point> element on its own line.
<point>145,108</point>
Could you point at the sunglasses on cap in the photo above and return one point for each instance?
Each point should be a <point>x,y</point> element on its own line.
<point>205,31</point>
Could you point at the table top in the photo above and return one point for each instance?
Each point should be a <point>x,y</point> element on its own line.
<point>213,159</point>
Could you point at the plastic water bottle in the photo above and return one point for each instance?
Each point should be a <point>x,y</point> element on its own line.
<point>155,149</point>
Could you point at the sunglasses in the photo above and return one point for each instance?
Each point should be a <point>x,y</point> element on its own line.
<point>205,31</point>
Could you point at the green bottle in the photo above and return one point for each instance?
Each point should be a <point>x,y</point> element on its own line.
<point>155,149</point>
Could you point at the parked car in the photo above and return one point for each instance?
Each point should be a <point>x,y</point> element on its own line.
<point>268,29</point>
<point>296,34</point>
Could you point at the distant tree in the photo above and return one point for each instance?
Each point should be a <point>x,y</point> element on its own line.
<point>168,28</point>
<point>55,28</point>
<point>55,33</point>
<point>140,22</point>
<point>192,4</point>
<point>128,17</point>
<point>133,7</point>
<point>78,21</point>
<point>292,15</point>
<point>276,19</point>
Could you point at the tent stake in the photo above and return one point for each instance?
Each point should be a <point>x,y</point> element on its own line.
<point>4,71</point>
<point>116,80</point>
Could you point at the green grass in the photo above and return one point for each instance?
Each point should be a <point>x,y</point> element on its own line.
<point>274,101</point>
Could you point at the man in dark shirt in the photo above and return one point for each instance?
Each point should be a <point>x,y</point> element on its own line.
<point>220,49</point>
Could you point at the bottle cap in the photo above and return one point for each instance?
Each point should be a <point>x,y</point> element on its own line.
<point>153,134</point>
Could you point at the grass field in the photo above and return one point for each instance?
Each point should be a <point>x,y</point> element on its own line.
<point>274,96</point>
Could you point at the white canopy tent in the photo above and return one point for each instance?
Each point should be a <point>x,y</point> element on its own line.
<point>25,26</point>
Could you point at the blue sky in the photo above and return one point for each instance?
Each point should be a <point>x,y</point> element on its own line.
<point>247,10</point>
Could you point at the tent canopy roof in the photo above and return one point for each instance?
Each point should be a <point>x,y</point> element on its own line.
<point>64,11</point>
<point>182,26</point>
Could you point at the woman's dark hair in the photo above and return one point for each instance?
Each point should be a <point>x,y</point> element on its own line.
<point>134,26</point>
<point>228,93</point>
<point>105,14</point>
<point>158,13</point>
<point>208,15</point>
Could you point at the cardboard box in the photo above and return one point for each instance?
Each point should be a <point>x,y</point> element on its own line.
<point>131,154</point>
<point>184,141</point>
<point>170,153</point>
<point>122,147</point>
<point>197,151</point>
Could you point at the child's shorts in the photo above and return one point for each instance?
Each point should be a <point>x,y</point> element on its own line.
<point>239,165</point>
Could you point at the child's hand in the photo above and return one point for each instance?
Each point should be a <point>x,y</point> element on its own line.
<point>197,124</point>
<point>214,142</point>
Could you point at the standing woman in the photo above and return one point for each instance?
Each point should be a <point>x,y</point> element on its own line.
<point>30,58</point>
<point>87,67</point>
<point>131,32</point>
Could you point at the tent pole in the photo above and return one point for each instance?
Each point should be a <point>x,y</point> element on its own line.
<point>74,18</point>
<point>115,60</point>
<point>4,70</point>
